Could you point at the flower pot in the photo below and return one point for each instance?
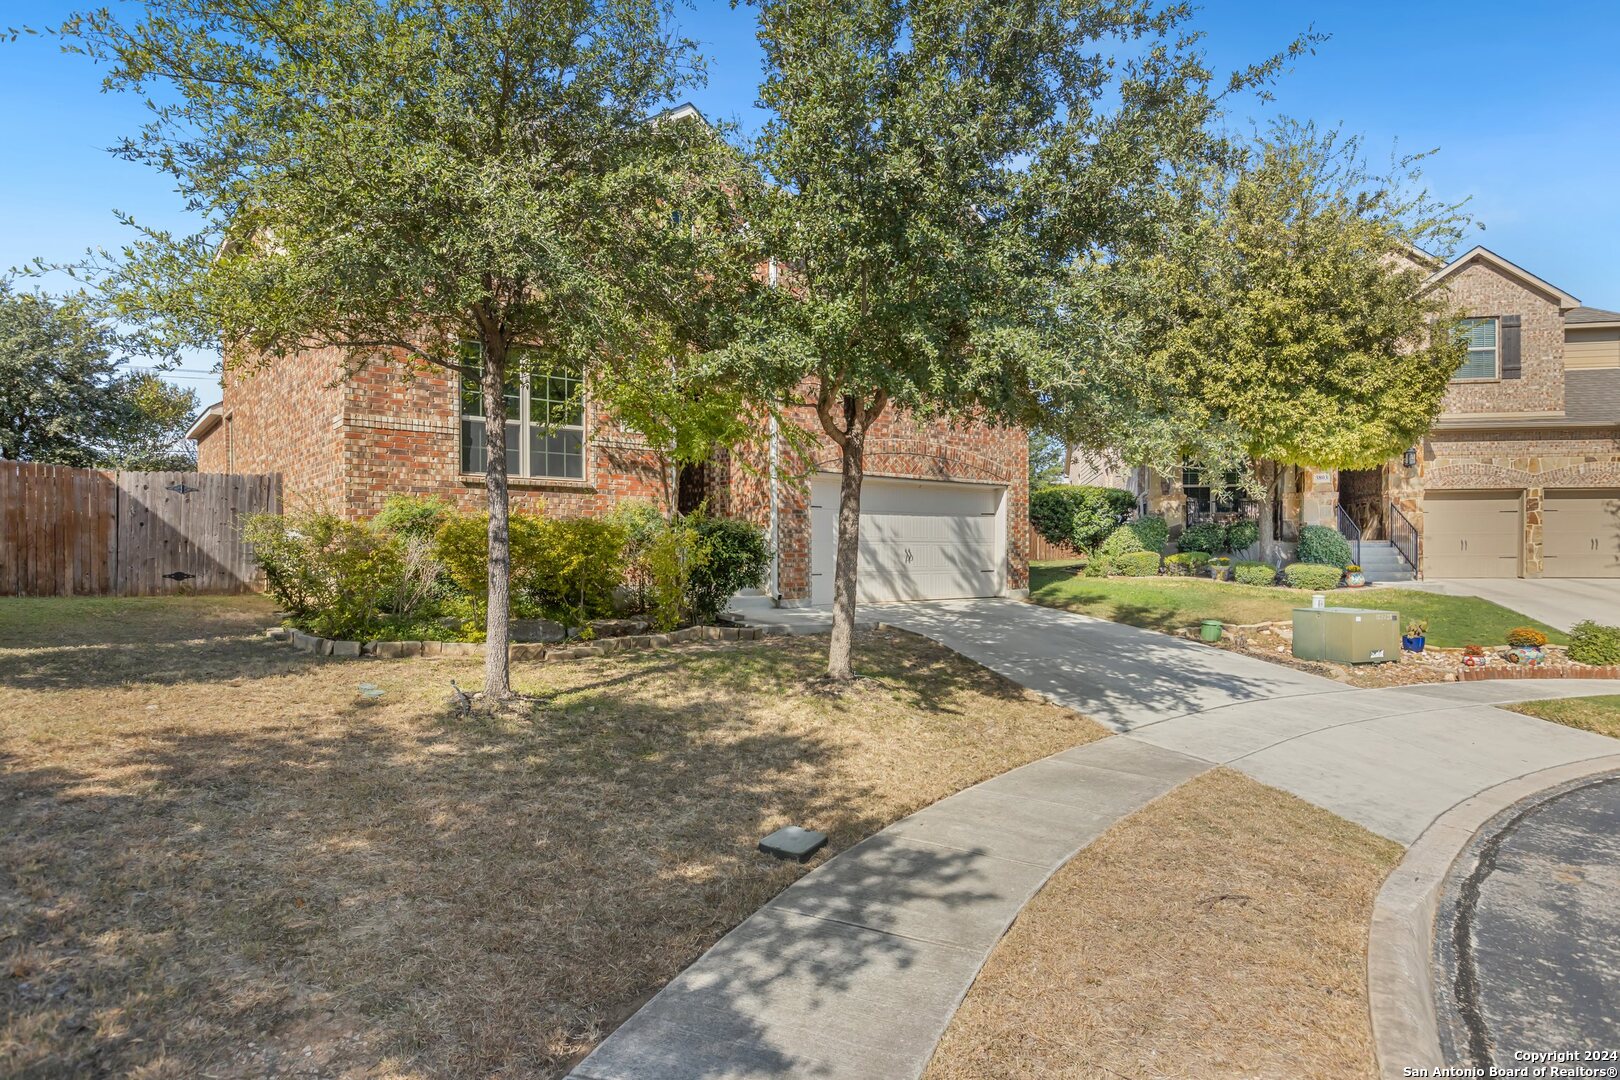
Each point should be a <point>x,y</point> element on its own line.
<point>1412,644</point>
<point>1529,656</point>
<point>1356,580</point>
<point>1209,630</point>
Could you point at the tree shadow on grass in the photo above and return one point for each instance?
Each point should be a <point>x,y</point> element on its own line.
<point>462,896</point>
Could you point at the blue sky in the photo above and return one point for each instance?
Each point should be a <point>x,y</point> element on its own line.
<point>1523,110</point>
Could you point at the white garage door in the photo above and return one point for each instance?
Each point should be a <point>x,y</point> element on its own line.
<point>1580,534</point>
<point>919,540</point>
<point>1471,534</point>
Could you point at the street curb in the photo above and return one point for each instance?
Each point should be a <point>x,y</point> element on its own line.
<point>1400,940</point>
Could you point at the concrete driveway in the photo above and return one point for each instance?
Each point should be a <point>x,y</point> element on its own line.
<point>1560,602</point>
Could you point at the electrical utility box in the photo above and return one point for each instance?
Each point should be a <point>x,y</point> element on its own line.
<point>1347,635</point>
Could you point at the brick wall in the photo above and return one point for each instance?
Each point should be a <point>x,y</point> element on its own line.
<point>284,417</point>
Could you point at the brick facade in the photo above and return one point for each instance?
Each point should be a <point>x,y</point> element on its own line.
<point>346,444</point>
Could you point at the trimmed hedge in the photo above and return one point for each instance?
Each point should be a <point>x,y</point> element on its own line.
<point>1078,515</point>
<point>1254,573</point>
<point>1185,563</point>
<point>1592,643</point>
<point>1203,536</point>
<point>1136,564</point>
<point>1323,546</point>
<point>1241,534</point>
<point>1312,576</point>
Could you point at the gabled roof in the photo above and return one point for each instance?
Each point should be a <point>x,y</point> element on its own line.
<point>1586,315</point>
<point>1486,255</point>
<point>206,421</point>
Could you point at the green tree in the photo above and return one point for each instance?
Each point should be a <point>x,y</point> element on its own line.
<point>472,184</point>
<point>934,167</point>
<point>1290,324</point>
<point>1048,459</point>
<point>65,398</point>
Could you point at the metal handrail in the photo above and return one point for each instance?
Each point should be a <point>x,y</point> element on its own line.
<point>1349,530</point>
<point>1403,535</point>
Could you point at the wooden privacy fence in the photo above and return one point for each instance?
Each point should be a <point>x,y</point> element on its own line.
<point>91,532</point>
<point>1040,549</point>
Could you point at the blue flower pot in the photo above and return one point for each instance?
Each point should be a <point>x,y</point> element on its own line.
<point>1411,644</point>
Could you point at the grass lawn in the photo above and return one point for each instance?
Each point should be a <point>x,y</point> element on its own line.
<point>217,854</point>
<point>1600,714</point>
<point>1166,603</point>
<point>1220,931</point>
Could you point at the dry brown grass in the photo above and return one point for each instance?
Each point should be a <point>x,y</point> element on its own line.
<point>1219,932</point>
<point>217,854</point>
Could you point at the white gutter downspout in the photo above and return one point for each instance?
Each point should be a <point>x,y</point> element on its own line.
<point>776,521</point>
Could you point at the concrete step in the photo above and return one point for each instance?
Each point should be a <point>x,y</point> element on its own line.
<point>1390,575</point>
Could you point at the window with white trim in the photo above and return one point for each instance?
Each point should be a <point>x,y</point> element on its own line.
<point>1483,360</point>
<point>545,427</point>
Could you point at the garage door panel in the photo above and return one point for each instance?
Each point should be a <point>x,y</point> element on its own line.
<point>1580,535</point>
<point>1472,534</point>
<point>919,541</point>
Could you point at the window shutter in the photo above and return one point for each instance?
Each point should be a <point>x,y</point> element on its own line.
<point>1511,365</point>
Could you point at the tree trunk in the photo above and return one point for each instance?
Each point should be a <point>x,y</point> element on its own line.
<point>498,613</point>
<point>849,551</point>
<point>1270,477</point>
<point>851,438</point>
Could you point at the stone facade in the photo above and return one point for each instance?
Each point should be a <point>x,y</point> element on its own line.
<point>347,443</point>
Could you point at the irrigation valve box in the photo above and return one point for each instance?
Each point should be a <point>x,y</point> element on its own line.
<point>1347,635</point>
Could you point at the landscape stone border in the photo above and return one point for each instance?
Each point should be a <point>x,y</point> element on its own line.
<point>1401,985</point>
<point>521,650</point>
<point>1479,674</point>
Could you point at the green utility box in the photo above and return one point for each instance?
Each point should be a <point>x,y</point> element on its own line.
<point>1347,635</point>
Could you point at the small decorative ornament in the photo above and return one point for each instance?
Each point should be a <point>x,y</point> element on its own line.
<point>179,575</point>
<point>182,488</point>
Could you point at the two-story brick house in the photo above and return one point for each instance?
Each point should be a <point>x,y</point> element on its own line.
<point>1520,474</point>
<point>944,508</point>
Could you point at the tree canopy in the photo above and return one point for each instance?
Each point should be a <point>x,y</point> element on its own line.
<point>67,399</point>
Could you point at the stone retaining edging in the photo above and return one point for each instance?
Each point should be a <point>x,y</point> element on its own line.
<point>520,650</point>
<point>1480,674</point>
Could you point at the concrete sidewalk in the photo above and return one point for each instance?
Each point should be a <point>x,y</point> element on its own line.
<point>855,970</point>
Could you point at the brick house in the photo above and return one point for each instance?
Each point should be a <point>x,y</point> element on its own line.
<point>1520,474</point>
<point>944,507</point>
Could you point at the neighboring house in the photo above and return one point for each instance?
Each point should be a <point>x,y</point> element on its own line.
<point>1095,470</point>
<point>944,509</point>
<point>1520,474</point>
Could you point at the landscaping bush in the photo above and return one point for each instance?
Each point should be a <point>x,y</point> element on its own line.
<point>735,556</point>
<point>1185,563</point>
<point>1323,546</point>
<point>1078,515</point>
<point>412,516</point>
<point>333,577</point>
<point>1591,643</point>
<point>563,569</point>
<point>1153,532</point>
<point>1135,564</point>
<point>1254,573</point>
<point>1312,575</point>
<point>669,560</point>
<point>1241,535</point>
<point>1526,637</point>
<point>1122,541</point>
<point>1096,566</point>
<point>1203,536</point>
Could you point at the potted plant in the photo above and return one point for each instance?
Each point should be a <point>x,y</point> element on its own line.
<point>1525,644</point>
<point>1474,656</point>
<point>1353,577</point>
<point>1416,631</point>
<point>1220,568</point>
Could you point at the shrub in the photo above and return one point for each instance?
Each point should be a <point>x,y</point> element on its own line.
<point>1591,643</point>
<point>1254,573</point>
<point>412,515</point>
<point>1136,564</point>
<point>1203,536</point>
<point>333,577</point>
<point>1122,541</point>
<point>642,523</point>
<point>1077,515</point>
<point>1097,566</point>
<point>1241,535</point>
<point>564,569</point>
<point>669,560</point>
<point>1153,532</point>
<point>1417,628</point>
<point>1323,546</point>
<point>1185,563</point>
<point>735,556</point>
<point>1526,637</point>
<point>1311,575</point>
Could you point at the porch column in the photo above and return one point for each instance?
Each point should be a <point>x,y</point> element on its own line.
<point>1319,497</point>
<point>1533,560</point>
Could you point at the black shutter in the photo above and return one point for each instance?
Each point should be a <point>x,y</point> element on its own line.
<point>1512,366</point>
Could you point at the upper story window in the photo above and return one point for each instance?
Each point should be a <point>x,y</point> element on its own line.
<point>1483,360</point>
<point>545,427</point>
